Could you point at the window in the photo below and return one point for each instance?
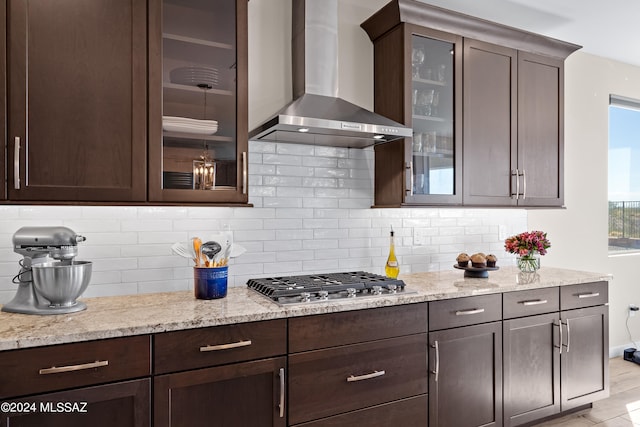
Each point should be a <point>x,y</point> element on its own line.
<point>624,174</point>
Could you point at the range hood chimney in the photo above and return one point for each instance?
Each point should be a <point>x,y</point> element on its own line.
<point>317,116</point>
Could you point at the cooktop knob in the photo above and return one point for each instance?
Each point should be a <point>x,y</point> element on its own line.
<point>392,288</point>
<point>305,297</point>
<point>377,290</point>
<point>324,295</point>
<point>351,292</point>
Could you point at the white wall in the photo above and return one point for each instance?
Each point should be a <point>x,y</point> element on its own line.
<point>579,233</point>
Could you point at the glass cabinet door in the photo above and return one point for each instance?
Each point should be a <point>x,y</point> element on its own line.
<point>433,113</point>
<point>200,159</point>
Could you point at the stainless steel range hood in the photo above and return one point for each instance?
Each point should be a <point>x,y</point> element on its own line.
<point>317,116</point>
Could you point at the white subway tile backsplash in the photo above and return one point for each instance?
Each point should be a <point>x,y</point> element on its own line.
<point>282,224</point>
<point>282,202</point>
<point>320,203</point>
<point>285,170</point>
<point>281,159</point>
<point>320,151</point>
<point>261,147</point>
<point>311,213</point>
<point>298,149</point>
<point>321,162</point>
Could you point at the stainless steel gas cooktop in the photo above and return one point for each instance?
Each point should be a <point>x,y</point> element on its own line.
<point>325,287</point>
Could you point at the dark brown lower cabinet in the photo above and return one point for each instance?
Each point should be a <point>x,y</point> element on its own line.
<point>337,380</point>
<point>531,355</point>
<point>584,367</point>
<point>465,382</point>
<point>241,394</point>
<point>405,412</point>
<point>124,404</point>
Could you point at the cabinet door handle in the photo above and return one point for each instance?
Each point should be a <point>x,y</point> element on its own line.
<point>559,327</point>
<point>524,185</point>
<point>244,172</point>
<point>281,404</point>
<point>517,175</point>
<point>71,368</point>
<point>374,374</point>
<point>568,336</point>
<point>589,295</point>
<point>471,311</point>
<point>436,371</point>
<point>409,167</point>
<point>533,302</point>
<point>226,346</point>
<point>16,163</point>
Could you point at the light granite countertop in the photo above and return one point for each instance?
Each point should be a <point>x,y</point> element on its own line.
<point>110,317</point>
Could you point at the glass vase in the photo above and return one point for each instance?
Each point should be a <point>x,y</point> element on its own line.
<point>528,263</point>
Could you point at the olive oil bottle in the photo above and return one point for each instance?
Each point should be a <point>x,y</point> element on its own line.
<point>392,268</point>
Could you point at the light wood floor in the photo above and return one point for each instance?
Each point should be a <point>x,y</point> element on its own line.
<point>621,409</point>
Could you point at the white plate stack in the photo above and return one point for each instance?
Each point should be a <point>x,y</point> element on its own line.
<point>187,125</point>
<point>195,76</point>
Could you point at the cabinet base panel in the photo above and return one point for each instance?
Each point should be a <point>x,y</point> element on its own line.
<point>558,415</point>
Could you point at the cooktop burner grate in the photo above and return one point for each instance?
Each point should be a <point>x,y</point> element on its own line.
<point>291,286</point>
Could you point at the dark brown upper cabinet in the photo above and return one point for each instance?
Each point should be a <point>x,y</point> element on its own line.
<point>198,101</point>
<point>76,100</point>
<point>417,73</point>
<point>500,141</point>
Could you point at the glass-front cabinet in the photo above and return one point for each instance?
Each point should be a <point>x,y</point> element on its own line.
<point>198,101</point>
<point>433,154</point>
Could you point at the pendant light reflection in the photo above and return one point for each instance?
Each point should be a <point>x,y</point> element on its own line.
<point>204,168</point>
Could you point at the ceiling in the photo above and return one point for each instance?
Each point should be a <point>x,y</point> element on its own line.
<point>610,29</point>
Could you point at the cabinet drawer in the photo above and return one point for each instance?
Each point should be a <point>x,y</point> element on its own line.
<point>350,327</point>
<point>405,412</point>
<point>466,311</point>
<point>530,302</point>
<point>58,367</point>
<point>202,347</point>
<point>584,295</point>
<point>337,380</point>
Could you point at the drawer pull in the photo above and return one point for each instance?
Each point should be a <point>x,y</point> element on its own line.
<point>589,295</point>
<point>374,374</point>
<point>534,302</point>
<point>436,372</point>
<point>226,346</point>
<point>71,368</point>
<point>282,386</point>
<point>467,312</point>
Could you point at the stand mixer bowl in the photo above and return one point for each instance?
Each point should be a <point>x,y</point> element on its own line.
<point>61,282</point>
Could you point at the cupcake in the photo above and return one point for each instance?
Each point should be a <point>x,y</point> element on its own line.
<point>491,260</point>
<point>463,260</point>
<point>478,260</point>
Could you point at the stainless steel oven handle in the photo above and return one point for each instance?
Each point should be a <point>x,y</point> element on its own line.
<point>226,346</point>
<point>282,382</point>
<point>468,312</point>
<point>72,368</point>
<point>16,163</point>
<point>524,185</point>
<point>374,374</point>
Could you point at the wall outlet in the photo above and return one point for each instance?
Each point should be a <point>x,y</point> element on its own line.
<point>632,309</point>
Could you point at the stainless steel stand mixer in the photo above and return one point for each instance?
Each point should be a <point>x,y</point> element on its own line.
<point>46,286</point>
